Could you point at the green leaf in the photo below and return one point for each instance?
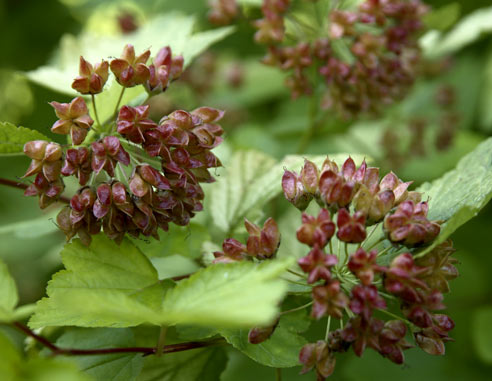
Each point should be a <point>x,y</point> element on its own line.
<point>182,240</point>
<point>174,265</point>
<point>228,295</point>
<point>444,17</point>
<point>195,365</point>
<point>467,31</point>
<point>482,333</point>
<point>104,273</point>
<point>13,138</point>
<point>171,29</point>
<point>461,193</point>
<point>248,182</point>
<point>8,294</point>
<point>115,367</point>
<point>106,285</point>
<point>14,368</point>
<point>32,228</point>
<point>281,350</point>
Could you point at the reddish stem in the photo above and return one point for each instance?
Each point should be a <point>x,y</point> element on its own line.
<point>103,351</point>
<point>15,184</point>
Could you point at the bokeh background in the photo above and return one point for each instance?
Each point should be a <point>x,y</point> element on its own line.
<point>261,116</point>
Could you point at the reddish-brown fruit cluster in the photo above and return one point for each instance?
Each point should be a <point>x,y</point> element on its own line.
<point>360,198</point>
<point>383,61</point>
<point>168,191</point>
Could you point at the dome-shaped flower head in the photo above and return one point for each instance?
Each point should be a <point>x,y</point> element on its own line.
<point>130,70</point>
<point>74,119</point>
<point>317,264</point>
<point>316,231</point>
<point>351,229</point>
<point>263,242</point>
<point>105,154</point>
<point>317,355</point>
<point>363,264</point>
<point>91,79</point>
<point>78,162</point>
<point>409,225</point>
<point>132,122</point>
<point>46,158</point>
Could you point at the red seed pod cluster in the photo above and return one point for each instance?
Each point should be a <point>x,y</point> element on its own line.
<point>356,284</point>
<point>383,58</point>
<point>125,190</point>
<point>262,243</point>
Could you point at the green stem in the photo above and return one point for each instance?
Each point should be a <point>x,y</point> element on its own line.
<point>278,374</point>
<point>382,252</point>
<point>115,112</point>
<point>331,247</point>
<point>372,232</point>
<point>395,316</point>
<point>294,282</point>
<point>95,112</point>
<point>328,323</point>
<point>308,134</point>
<point>376,243</point>
<point>296,273</point>
<point>296,309</point>
<point>345,260</point>
<point>161,341</point>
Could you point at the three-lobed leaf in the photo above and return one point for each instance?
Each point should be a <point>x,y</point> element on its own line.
<point>106,285</point>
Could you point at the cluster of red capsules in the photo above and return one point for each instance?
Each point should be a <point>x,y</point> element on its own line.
<point>368,57</point>
<point>124,189</point>
<point>360,286</point>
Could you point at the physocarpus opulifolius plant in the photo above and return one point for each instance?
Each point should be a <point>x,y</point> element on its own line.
<point>135,175</point>
<point>383,297</point>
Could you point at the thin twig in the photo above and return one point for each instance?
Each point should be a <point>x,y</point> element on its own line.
<point>296,309</point>
<point>15,184</point>
<point>102,351</point>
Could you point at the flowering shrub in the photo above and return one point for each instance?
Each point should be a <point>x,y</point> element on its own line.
<point>182,237</point>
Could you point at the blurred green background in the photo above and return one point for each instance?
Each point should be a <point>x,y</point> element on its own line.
<point>261,115</point>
